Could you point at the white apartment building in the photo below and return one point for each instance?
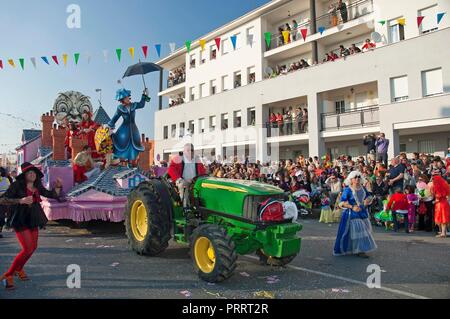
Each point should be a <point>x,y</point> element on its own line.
<point>401,88</point>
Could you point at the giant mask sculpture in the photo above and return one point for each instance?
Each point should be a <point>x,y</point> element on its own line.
<point>71,105</point>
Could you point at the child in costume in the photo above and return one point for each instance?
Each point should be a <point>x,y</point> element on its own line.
<point>441,191</point>
<point>413,201</point>
<point>326,214</point>
<point>337,211</point>
<point>384,217</point>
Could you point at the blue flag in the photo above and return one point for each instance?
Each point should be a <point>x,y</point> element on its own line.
<point>44,58</point>
<point>158,49</point>
<point>233,41</point>
<point>321,30</point>
<point>440,16</point>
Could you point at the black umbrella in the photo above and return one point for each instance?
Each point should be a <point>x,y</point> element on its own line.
<point>142,68</point>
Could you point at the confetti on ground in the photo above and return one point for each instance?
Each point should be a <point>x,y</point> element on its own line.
<point>340,290</point>
<point>101,246</point>
<point>89,244</point>
<point>244,274</point>
<point>114,264</point>
<point>265,294</point>
<point>215,294</point>
<point>69,240</point>
<point>186,293</point>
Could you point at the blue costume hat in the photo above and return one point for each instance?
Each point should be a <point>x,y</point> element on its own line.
<point>122,93</point>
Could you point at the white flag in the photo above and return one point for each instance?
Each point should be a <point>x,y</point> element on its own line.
<point>33,61</point>
<point>105,55</point>
<point>250,39</point>
<point>89,56</point>
<point>172,47</point>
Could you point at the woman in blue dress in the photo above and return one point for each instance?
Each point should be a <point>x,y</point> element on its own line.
<point>127,140</point>
<point>354,235</point>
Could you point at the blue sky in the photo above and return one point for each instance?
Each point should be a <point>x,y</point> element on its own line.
<point>38,28</point>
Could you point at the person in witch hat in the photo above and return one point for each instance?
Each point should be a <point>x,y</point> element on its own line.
<point>27,216</point>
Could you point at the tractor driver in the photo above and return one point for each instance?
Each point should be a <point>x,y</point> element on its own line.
<point>183,169</point>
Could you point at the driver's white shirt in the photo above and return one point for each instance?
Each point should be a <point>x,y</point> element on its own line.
<point>189,169</point>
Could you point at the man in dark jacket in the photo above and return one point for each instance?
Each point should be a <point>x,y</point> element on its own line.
<point>369,142</point>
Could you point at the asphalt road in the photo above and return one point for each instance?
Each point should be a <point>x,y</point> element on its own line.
<point>412,266</point>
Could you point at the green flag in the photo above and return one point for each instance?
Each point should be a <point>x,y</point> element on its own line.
<point>382,22</point>
<point>22,62</point>
<point>119,54</point>
<point>268,36</point>
<point>188,46</point>
<point>76,56</point>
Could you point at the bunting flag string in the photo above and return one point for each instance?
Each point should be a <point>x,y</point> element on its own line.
<point>145,51</point>
<point>44,58</point>
<point>234,41</point>
<point>250,40</point>
<point>382,22</point>
<point>11,62</point>
<point>105,55</point>
<point>172,47</point>
<point>1,64</point>
<point>286,35</point>
<point>440,16</point>
<point>55,59</point>
<point>65,59</point>
<point>188,46</point>
<point>401,21</point>
<point>158,49</point>
<point>119,54</point>
<point>33,61</point>
<point>267,36</point>
<point>22,63</point>
<point>131,50</point>
<point>321,30</point>
<point>89,57</point>
<point>419,21</point>
<point>202,43</point>
<point>304,33</point>
<point>218,42</point>
<point>76,56</point>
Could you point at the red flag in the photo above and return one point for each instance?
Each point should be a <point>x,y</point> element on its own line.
<point>1,64</point>
<point>55,58</point>
<point>419,20</point>
<point>218,43</point>
<point>304,33</point>
<point>144,49</point>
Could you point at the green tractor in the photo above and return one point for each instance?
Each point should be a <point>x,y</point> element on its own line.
<point>222,221</point>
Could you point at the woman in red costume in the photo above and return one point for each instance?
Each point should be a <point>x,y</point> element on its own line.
<point>441,191</point>
<point>87,131</point>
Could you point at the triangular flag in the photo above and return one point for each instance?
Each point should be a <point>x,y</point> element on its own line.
<point>44,58</point>
<point>89,56</point>
<point>218,41</point>
<point>11,62</point>
<point>33,61</point>
<point>321,30</point>
<point>65,59</point>
<point>304,32</point>
<point>188,46</point>
<point>286,36</point>
<point>419,20</point>
<point>172,46</point>
<point>22,62</point>
<point>158,49</point>
<point>105,56</point>
<point>55,58</point>
<point>1,64</point>
<point>250,39</point>
<point>440,16</point>
<point>202,43</point>
<point>267,36</point>
<point>401,21</point>
<point>382,22</point>
<point>76,57</point>
<point>119,53</point>
<point>145,50</point>
<point>131,50</point>
<point>340,27</point>
<point>233,41</point>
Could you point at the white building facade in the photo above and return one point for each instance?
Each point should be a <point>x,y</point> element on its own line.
<point>401,88</point>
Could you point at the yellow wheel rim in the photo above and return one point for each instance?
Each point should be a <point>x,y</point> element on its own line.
<point>204,254</point>
<point>138,220</point>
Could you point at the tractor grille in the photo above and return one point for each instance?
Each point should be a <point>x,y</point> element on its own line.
<point>251,205</point>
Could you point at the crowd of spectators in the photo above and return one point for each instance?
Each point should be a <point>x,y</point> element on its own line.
<point>176,76</point>
<point>176,101</point>
<point>289,121</point>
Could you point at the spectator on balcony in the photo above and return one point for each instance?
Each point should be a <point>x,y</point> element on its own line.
<point>280,36</point>
<point>343,11</point>
<point>288,28</point>
<point>343,51</point>
<point>333,14</point>
<point>354,49</point>
<point>299,119</point>
<point>368,45</point>
<point>303,64</point>
<point>294,114</point>
<point>382,144</point>
<point>304,120</point>
<point>331,56</point>
<point>280,122</point>
<point>273,120</point>
<point>287,117</point>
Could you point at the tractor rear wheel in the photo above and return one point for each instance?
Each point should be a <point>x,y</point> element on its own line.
<point>147,220</point>
<point>274,261</point>
<point>213,252</point>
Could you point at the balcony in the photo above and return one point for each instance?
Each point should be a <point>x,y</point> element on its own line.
<point>363,117</point>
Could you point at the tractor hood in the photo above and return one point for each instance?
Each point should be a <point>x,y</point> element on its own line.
<point>238,186</point>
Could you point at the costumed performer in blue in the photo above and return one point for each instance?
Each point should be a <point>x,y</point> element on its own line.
<point>127,140</point>
<point>354,235</point>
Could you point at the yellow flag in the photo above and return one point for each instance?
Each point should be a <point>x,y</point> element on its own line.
<point>131,52</point>
<point>11,62</point>
<point>202,43</point>
<point>401,21</point>
<point>286,36</point>
<point>65,59</point>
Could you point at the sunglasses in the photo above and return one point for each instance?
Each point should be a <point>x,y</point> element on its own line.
<point>358,176</point>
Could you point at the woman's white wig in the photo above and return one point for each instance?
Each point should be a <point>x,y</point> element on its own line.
<point>348,180</point>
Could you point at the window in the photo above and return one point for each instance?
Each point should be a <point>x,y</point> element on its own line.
<point>212,52</point>
<point>399,88</point>
<point>432,82</point>
<point>202,92</point>
<point>201,125</point>
<point>250,35</point>
<point>224,121</point>
<point>251,75</point>
<point>429,24</point>
<point>237,118</point>
<point>340,106</point>
<point>173,131</point>
<point>191,94</point>
<point>191,127</point>
<point>396,31</point>
<point>212,123</point>
<point>225,46</point>
<point>426,147</point>
<point>192,61</point>
<point>166,132</point>
<point>182,129</point>
<point>237,79</point>
<point>213,87</point>
<point>402,148</point>
<point>225,83</point>
<point>251,116</point>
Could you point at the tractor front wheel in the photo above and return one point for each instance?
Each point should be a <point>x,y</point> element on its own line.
<point>274,261</point>
<point>213,252</point>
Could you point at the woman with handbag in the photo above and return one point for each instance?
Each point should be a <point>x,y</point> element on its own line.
<point>27,216</point>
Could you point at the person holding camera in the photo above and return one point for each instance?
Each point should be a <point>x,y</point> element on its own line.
<point>382,145</point>
<point>369,142</point>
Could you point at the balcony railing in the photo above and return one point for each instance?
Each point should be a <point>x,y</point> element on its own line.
<point>362,117</point>
<point>286,128</point>
<point>331,19</point>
